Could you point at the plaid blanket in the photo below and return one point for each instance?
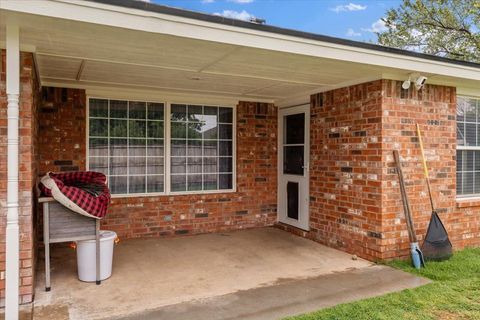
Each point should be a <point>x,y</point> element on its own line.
<point>84,192</point>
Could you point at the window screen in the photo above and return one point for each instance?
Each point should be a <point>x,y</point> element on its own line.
<point>468,146</point>
<point>201,148</point>
<point>126,142</point>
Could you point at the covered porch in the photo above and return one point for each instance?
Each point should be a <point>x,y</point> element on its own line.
<point>78,61</point>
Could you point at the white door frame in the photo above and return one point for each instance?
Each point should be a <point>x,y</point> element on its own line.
<point>303,221</point>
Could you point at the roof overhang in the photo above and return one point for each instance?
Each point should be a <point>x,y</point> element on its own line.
<point>97,44</point>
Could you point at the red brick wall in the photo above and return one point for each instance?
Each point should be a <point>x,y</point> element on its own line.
<point>345,168</point>
<point>355,202</point>
<point>355,199</point>
<point>62,137</point>
<point>62,130</point>
<point>28,173</point>
<point>434,109</point>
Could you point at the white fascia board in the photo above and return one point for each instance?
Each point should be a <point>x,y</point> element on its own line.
<point>141,20</point>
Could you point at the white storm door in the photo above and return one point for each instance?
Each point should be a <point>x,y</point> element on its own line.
<point>293,166</point>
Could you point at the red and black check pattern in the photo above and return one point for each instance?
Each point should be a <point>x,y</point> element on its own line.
<point>94,205</point>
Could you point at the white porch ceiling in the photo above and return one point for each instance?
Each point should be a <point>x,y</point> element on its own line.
<point>85,55</point>
<point>81,54</point>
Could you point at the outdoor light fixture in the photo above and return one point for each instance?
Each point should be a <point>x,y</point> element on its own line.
<point>406,84</point>
<point>418,79</point>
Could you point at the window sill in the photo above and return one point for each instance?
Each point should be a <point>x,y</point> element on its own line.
<point>173,194</point>
<point>468,202</point>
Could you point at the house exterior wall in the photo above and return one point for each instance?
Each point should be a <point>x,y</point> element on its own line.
<point>355,202</point>
<point>63,133</point>
<point>28,156</point>
<point>434,109</point>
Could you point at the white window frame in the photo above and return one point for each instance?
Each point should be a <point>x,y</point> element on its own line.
<point>466,148</point>
<point>167,147</point>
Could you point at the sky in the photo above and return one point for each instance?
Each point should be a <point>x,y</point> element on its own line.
<point>354,20</point>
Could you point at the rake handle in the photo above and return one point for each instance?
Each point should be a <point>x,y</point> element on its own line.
<point>406,204</point>
<point>425,168</point>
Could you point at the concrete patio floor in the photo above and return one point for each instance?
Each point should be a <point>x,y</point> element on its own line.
<point>252,274</point>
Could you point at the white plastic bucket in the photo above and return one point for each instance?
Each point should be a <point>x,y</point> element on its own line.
<point>86,257</point>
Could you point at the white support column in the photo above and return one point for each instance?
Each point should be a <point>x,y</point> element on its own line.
<point>12,233</point>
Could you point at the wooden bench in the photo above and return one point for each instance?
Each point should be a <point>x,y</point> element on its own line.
<point>61,224</point>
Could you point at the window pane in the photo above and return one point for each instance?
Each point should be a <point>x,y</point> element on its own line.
<point>98,108</point>
<point>194,148</point>
<point>155,111</point>
<point>179,182</point>
<point>118,147</point>
<point>137,165</point>
<point>98,147</point>
<point>225,115</point>
<point>118,185</point>
<point>459,183</point>
<point>476,166</point>
<point>179,130</point>
<point>470,134</point>
<point>179,112</point>
<point>118,128</point>
<point>477,182</point>
<point>98,164</point>
<point>154,183</point>
<point>468,166</point>
<point>155,129</point>
<point>211,112</point>
<point>460,133</point>
<point>118,165</point>
<point>178,164</point>
<point>194,130</point>
<point>194,165</point>
<point>155,147</point>
<point>136,184</point>
<point>211,132</point>
<point>121,144</point>
<point>178,148</point>
<point>225,165</point>
<point>468,182</point>
<point>225,131</point>
<point>137,110</point>
<point>98,128</point>
<point>137,128</point>
<point>470,110</point>
<point>459,160</point>
<point>210,165</point>
<point>194,182</point>
<point>195,113</point>
<point>294,125</point>
<point>155,165</point>
<point>225,181</point>
<point>118,109</point>
<point>225,148</point>
<point>137,147</point>
<point>293,160</point>
<point>210,148</point>
<point>210,182</point>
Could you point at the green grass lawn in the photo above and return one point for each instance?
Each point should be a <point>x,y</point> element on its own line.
<point>454,294</point>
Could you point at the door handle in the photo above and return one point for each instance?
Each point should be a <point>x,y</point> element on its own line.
<point>307,166</point>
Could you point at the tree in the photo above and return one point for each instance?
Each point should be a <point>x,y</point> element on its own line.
<point>449,28</point>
